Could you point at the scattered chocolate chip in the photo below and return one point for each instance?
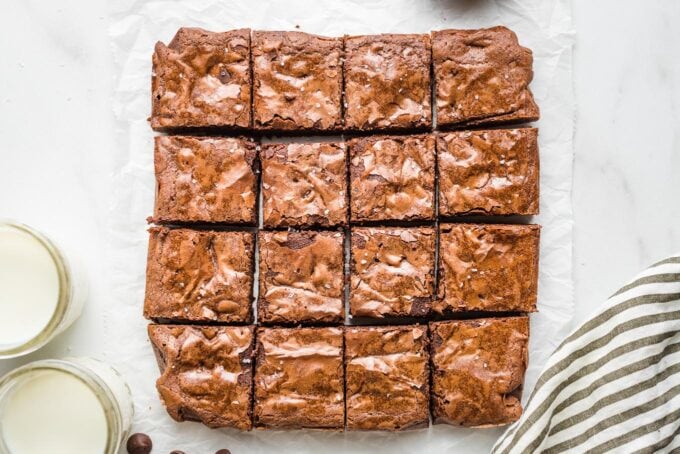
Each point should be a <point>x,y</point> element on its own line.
<point>177,452</point>
<point>139,444</point>
<point>223,451</point>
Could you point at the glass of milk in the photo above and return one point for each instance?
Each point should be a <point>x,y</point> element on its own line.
<point>41,293</point>
<point>70,406</point>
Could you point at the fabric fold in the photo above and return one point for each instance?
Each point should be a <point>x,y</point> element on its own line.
<point>613,385</point>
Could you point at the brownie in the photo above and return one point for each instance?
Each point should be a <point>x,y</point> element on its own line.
<point>387,377</point>
<point>299,378</point>
<point>482,77</point>
<point>206,373</point>
<point>487,267</point>
<point>202,79</point>
<point>304,184</point>
<point>199,276</point>
<point>301,277</point>
<point>297,81</point>
<point>392,271</point>
<point>392,178</point>
<point>205,180</point>
<point>493,172</point>
<point>387,82</point>
<point>478,370</point>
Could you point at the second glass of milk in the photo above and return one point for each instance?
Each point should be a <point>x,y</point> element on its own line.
<point>69,406</point>
<point>41,293</point>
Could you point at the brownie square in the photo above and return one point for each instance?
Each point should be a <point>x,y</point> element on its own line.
<point>205,180</point>
<point>392,178</point>
<point>301,277</point>
<point>304,184</point>
<point>199,276</point>
<point>202,79</point>
<point>206,373</point>
<point>487,267</point>
<point>298,81</point>
<point>299,378</point>
<point>387,377</point>
<point>482,77</point>
<point>493,172</point>
<point>387,82</point>
<point>392,271</point>
<point>478,370</point>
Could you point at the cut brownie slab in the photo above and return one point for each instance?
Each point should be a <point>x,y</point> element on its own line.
<point>202,79</point>
<point>301,277</point>
<point>392,271</point>
<point>387,377</point>
<point>478,370</point>
<point>387,82</point>
<point>487,267</point>
<point>492,172</point>
<point>206,373</point>
<point>297,81</point>
<point>205,180</point>
<point>392,178</point>
<point>299,378</point>
<point>304,184</point>
<point>482,77</point>
<point>199,276</point>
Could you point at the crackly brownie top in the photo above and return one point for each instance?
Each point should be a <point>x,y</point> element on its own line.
<point>487,267</point>
<point>387,377</point>
<point>298,81</point>
<point>392,271</point>
<point>199,275</point>
<point>202,79</point>
<point>478,370</point>
<point>205,180</point>
<point>304,184</point>
<point>299,379</point>
<point>387,82</point>
<point>493,172</point>
<point>301,277</point>
<point>392,178</point>
<point>206,373</point>
<point>482,76</point>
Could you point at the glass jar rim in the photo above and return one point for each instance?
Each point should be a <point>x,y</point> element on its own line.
<point>110,405</point>
<point>64,297</point>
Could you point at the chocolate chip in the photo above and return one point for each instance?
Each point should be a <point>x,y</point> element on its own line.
<point>177,452</point>
<point>299,240</point>
<point>223,451</point>
<point>139,444</point>
<point>420,306</point>
<point>224,76</point>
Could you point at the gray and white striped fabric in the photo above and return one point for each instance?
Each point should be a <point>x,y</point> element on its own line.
<point>614,384</point>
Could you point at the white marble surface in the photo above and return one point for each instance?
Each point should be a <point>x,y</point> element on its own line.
<point>55,85</point>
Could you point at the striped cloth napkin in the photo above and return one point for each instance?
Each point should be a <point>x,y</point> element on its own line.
<point>614,384</point>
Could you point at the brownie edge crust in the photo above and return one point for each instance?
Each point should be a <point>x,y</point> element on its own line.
<point>206,373</point>
<point>482,77</point>
<point>478,370</point>
<point>387,82</point>
<point>387,377</point>
<point>205,179</point>
<point>202,79</point>
<point>199,276</point>
<point>297,81</point>
<point>299,378</point>
<point>487,268</point>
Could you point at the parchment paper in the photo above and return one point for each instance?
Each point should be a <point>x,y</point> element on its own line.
<point>544,26</point>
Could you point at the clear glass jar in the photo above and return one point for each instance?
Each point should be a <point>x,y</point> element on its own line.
<point>104,382</point>
<point>72,291</point>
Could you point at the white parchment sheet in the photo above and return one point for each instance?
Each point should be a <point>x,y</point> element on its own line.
<point>544,26</point>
